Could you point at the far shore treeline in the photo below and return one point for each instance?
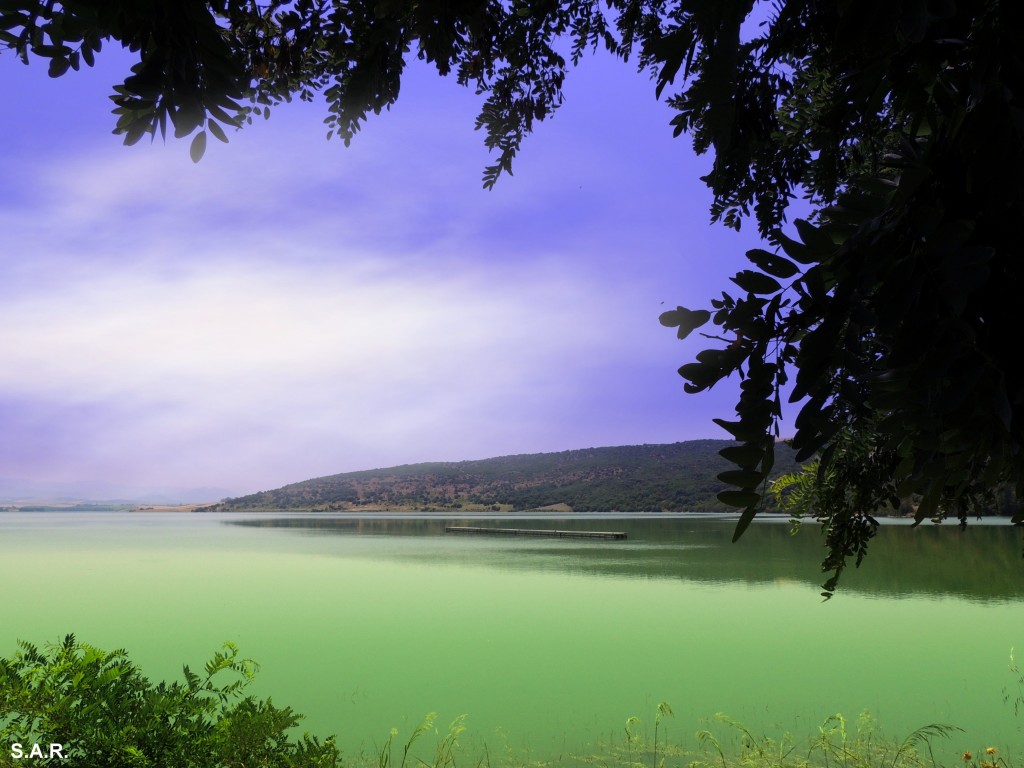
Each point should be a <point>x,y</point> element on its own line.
<point>677,477</point>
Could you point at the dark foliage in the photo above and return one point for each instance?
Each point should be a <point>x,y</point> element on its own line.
<point>895,306</point>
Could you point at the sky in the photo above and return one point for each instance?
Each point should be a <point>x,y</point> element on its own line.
<point>291,308</point>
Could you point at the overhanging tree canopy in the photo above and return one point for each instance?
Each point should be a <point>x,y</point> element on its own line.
<point>901,120</point>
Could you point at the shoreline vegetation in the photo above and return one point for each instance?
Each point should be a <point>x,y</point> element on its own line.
<point>719,742</point>
<point>674,477</point>
<point>468,511</point>
<point>481,512</point>
<point>101,711</point>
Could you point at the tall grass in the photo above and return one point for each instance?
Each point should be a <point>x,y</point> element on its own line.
<point>721,742</point>
<point>444,756</point>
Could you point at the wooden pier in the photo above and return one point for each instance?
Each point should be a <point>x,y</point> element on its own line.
<point>535,532</point>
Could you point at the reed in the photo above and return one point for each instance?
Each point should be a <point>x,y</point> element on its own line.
<point>724,742</point>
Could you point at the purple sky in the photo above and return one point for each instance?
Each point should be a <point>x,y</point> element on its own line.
<point>290,307</point>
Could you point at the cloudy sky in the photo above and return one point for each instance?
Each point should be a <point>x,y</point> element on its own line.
<point>290,307</point>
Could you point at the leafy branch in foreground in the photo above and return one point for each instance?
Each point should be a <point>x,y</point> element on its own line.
<point>106,714</point>
<point>835,493</point>
<point>894,303</point>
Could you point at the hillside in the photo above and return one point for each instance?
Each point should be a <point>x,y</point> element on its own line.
<point>673,477</point>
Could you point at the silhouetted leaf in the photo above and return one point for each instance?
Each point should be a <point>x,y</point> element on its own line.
<point>744,478</point>
<point>217,131</point>
<point>746,518</point>
<point>198,147</point>
<point>741,430</point>
<point>756,282</point>
<point>739,498</point>
<point>686,319</point>
<point>745,456</point>
<point>817,241</point>
<point>773,263</point>
<point>58,66</point>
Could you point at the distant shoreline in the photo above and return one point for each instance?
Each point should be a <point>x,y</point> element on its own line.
<point>425,514</point>
<point>87,507</point>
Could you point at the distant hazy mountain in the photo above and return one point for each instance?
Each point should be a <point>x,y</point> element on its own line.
<point>21,491</point>
<point>673,477</point>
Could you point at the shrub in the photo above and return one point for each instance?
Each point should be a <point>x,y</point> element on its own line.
<point>104,713</point>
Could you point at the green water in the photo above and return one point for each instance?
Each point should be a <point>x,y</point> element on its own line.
<point>548,645</point>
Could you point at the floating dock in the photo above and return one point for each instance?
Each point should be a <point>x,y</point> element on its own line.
<point>535,532</point>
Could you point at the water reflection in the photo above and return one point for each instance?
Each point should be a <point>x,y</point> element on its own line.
<point>983,563</point>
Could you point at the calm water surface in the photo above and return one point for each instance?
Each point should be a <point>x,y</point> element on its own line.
<point>547,645</point>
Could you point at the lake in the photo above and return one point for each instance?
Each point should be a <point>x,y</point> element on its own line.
<point>547,645</point>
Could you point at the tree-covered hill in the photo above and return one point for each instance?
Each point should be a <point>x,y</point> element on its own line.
<point>674,477</point>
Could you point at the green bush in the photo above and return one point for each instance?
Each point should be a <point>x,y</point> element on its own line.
<point>104,713</point>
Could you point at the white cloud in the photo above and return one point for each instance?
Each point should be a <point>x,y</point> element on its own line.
<point>214,347</point>
<point>290,307</point>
